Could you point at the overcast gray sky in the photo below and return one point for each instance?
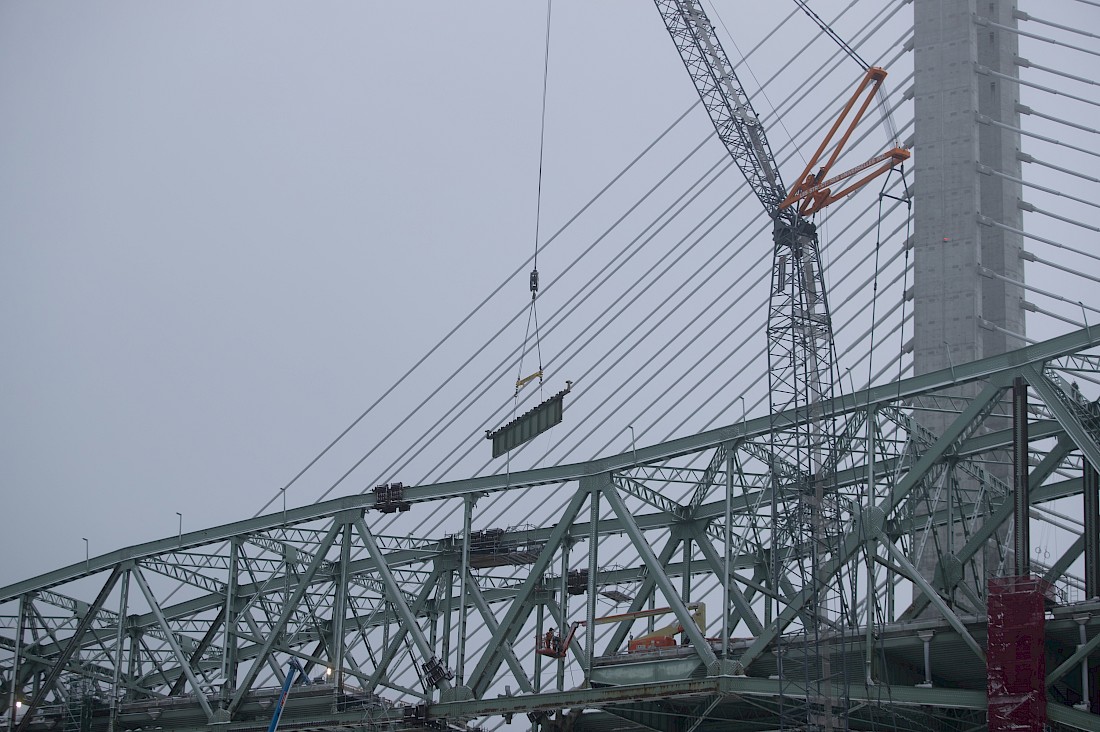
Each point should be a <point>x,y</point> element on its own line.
<point>228,227</point>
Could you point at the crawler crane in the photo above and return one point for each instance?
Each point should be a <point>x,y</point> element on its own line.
<point>801,358</point>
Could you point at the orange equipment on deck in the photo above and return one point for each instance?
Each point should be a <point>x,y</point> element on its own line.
<point>666,637</point>
<point>552,645</point>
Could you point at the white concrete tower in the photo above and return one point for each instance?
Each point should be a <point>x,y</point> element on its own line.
<point>959,149</point>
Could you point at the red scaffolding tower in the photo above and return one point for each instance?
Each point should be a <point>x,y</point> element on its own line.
<point>1016,654</point>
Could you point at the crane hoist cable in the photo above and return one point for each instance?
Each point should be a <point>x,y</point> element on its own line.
<point>533,280</point>
<point>880,93</point>
<point>548,412</point>
<point>832,34</point>
<point>907,199</point>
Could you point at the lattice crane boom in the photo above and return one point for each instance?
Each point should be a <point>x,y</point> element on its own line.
<point>724,97</point>
<point>801,361</point>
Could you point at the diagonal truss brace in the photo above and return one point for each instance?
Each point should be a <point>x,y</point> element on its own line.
<point>398,638</point>
<point>854,540</point>
<point>493,627</point>
<point>671,595</point>
<point>74,642</point>
<point>511,625</point>
<point>737,597</point>
<point>291,604</point>
<point>1054,400</point>
<point>181,659</point>
<point>408,619</point>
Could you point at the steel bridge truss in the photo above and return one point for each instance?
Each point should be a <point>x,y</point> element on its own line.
<point>431,632</point>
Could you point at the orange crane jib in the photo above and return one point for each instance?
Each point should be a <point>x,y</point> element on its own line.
<point>813,192</point>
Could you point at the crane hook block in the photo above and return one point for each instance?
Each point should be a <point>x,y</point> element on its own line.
<point>529,425</point>
<point>534,281</point>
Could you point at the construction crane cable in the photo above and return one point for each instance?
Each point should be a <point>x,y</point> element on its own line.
<point>588,290</point>
<point>874,286</point>
<point>504,283</point>
<point>868,24</point>
<point>746,197</point>
<point>887,119</point>
<point>533,280</point>
<point>827,29</point>
<point>563,228</point>
<point>591,287</point>
<point>542,136</point>
<point>648,409</point>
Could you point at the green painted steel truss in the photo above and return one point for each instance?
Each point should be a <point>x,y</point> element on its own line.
<point>404,625</point>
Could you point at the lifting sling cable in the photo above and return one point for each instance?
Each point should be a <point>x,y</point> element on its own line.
<point>532,315</point>
<point>548,412</point>
<point>907,199</point>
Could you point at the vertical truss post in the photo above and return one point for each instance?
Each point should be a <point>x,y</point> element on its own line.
<point>183,661</point>
<point>467,520</point>
<point>339,610</point>
<point>447,629</point>
<point>1020,494</point>
<point>229,641</point>
<point>133,660</point>
<point>685,580</point>
<point>871,549</point>
<point>563,622</point>
<point>123,604</point>
<point>540,623</point>
<point>14,697</point>
<point>593,486</point>
<point>726,558</point>
<point>1091,498</point>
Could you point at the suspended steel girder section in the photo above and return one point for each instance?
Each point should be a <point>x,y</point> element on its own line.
<point>328,572</point>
